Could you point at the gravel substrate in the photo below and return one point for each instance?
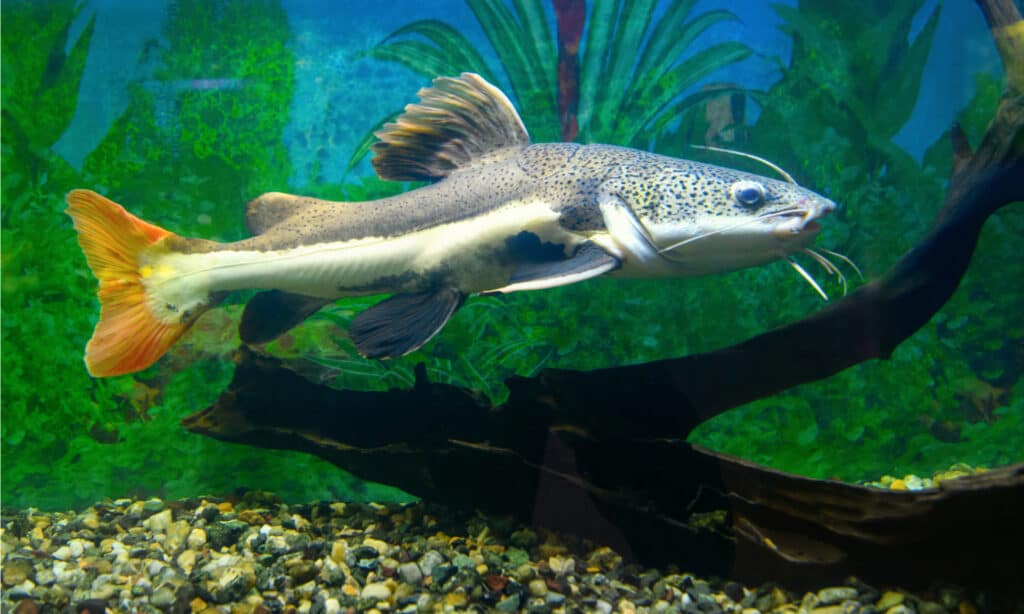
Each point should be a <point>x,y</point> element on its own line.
<point>257,555</point>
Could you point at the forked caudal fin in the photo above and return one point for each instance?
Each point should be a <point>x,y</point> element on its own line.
<point>128,337</point>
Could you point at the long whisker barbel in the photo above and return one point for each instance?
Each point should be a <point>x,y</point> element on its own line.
<point>749,156</point>
<point>826,264</point>
<point>807,277</point>
<point>844,259</point>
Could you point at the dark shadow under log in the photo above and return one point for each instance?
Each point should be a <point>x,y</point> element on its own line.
<point>603,453</point>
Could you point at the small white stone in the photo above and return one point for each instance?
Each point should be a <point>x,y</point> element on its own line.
<point>91,521</point>
<point>45,577</point>
<point>332,606</point>
<point>276,544</point>
<point>78,547</point>
<point>62,554</point>
<point>159,522</point>
<point>378,591</point>
<point>187,560</point>
<point>380,546</point>
<point>196,538</point>
<point>562,565</point>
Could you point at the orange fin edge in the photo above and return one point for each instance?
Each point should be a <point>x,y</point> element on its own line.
<point>128,336</point>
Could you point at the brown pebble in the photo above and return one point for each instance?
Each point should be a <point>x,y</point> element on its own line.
<point>556,585</point>
<point>496,583</point>
<point>251,517</point>
<point>966,607</point>
<point>26,606</point>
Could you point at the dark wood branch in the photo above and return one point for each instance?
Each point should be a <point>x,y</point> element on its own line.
<point>649,497</point>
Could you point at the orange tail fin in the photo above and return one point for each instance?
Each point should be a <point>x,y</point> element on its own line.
<point>128,336</point>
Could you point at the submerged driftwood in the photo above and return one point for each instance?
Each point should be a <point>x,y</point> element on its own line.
<point>603,453</point>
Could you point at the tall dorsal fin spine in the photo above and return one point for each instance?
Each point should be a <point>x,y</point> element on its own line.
<point>457,121</point>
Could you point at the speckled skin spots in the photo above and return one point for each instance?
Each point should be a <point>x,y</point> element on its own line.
<point>570,177</point>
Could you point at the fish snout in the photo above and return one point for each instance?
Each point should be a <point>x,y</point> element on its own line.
<point>802,222</point>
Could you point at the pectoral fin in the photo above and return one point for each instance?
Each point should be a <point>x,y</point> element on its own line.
<point>588,261</point>
<point>269,314</point>
<point>403,323</point>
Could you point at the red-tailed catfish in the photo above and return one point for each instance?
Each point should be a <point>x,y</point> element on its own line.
<point>501,215</point>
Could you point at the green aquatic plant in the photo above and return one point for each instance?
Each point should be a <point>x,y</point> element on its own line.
<point>40,90</point>
<point>43,288</point>
<point>485,343</point>
<point>186,156</point>
<point>634,67</point>
<point>205,130</point>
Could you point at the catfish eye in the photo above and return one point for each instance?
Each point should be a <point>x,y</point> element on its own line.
<point>748,193</point>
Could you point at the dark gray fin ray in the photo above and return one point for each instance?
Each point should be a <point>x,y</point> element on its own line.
<point>268,210</point>
<point>457,121</point>
<point>588,261</point>
<point>403,323</point>
<point>270,314</point>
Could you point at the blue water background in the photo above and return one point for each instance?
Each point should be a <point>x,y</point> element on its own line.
<point>329,34</point>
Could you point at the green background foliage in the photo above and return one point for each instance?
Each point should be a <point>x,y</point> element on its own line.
<point>187,156</point>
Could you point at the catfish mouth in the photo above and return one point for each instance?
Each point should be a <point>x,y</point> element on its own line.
<point>802,220</point>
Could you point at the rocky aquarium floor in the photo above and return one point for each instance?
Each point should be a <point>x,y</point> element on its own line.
<point>257,555</point>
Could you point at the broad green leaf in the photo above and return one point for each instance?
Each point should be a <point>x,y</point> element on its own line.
<point>505,35</point>
<point>363,148</point>
<point>464,57</point>
<point>600,23</point>
<point>899,85</point>
<point>669,86</point>
<point>681,43</point>
<point>420,57</point>
<point>664,33</point>
<point>629,33</point>
<point>535,25</point>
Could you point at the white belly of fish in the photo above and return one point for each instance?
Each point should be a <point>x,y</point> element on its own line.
<point>465,253</point>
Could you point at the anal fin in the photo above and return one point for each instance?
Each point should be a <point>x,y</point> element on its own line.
<point>270,314</point>
<point>403,323</point>
<point>588,261</point>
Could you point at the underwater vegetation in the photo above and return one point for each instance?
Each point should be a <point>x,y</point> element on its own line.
<point>202,134</point>
<point>187,152</point>
<point>631,70</point>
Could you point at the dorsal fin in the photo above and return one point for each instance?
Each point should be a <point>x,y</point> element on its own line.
<point>457,121</point>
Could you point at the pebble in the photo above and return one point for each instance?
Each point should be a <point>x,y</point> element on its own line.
<point>159,522</point>
<point>836,594</point>
<point>508,604</point>
<point>410,573</point>
<point>888,600</point>
<point>338,551</point>
<point>378,591</point>
<point>260,556</point>
<point>196,538</point>
<point>163,597</point>
<point>17,570</point>
<point>538,588</point>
